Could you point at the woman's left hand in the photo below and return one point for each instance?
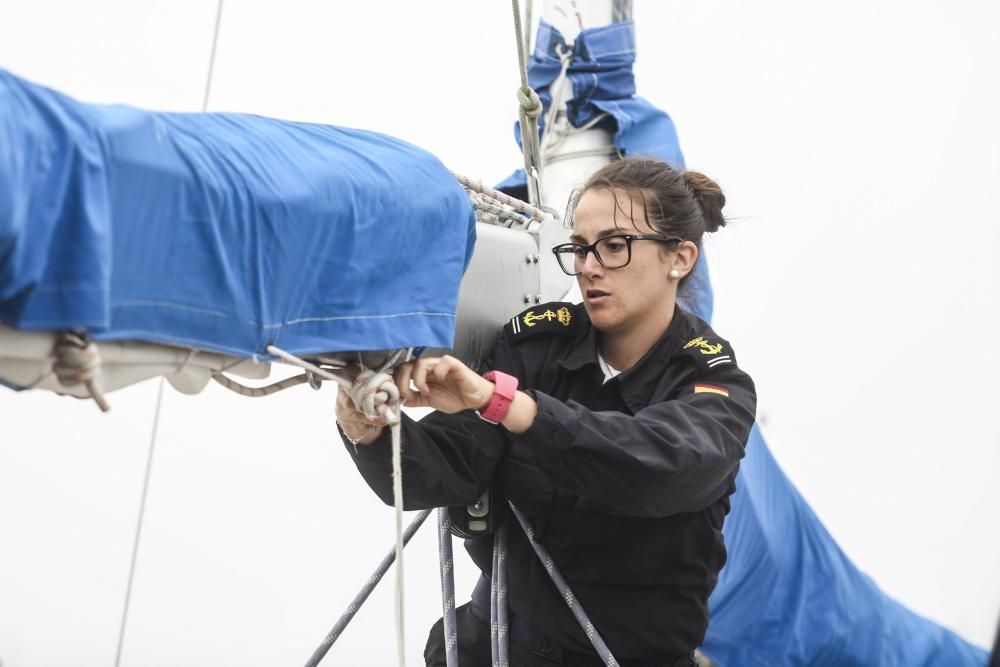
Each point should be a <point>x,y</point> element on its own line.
<point>443,383</point>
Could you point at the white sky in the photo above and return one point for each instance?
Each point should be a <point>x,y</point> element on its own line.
<point>859,148</point>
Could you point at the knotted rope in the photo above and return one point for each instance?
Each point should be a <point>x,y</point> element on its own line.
<point>78,361</point>
<point>530,108</point>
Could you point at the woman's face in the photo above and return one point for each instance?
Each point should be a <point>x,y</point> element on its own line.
<point>620,299</point>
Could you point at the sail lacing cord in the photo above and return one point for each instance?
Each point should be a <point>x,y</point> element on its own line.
<point>557,125</point>
<point>78,361</point>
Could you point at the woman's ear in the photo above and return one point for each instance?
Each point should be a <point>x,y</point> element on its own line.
<point>684,257</point>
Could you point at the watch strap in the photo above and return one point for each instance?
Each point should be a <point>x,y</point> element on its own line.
<point>505,388</point>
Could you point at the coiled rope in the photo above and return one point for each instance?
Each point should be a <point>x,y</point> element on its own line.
<point>501,198</point>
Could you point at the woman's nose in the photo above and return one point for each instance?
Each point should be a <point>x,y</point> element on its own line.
<point>590,264</point>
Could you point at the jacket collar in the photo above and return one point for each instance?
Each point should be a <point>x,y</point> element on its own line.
<point>637,383</point>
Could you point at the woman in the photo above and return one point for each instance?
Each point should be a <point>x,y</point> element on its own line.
<point>621,443</point>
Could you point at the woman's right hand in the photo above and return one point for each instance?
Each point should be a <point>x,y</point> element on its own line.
<point>355,425</point>
<point>443,383</point>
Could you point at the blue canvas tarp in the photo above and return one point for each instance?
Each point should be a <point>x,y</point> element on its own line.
<point>787,595</point>
<point>223,231</point>
<point>600,73</point>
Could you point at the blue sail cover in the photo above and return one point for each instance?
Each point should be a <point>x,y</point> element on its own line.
<point>600,73</point>
<point>787,595</point>
<point>223,231</point>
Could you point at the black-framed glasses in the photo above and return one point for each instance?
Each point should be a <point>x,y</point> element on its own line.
<point>613,252</point>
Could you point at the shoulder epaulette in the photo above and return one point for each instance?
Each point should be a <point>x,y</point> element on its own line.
<point>708,351</point>
<point>556,318</point>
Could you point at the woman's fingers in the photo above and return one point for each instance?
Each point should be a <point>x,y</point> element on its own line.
<point>348,413</point>
<point>401,377</point>
<point>420,371</point>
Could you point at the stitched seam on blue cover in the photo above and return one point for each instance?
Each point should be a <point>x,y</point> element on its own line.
<point>277,325</point>
<point>355,317</point>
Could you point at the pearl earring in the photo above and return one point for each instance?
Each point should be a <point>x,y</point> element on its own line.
<point>674,273</point>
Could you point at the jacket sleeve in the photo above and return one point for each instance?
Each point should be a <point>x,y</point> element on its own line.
<point>447,460</point>
<point>673,456</point>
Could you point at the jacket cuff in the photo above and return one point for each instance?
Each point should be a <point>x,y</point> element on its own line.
<point>551,432</point>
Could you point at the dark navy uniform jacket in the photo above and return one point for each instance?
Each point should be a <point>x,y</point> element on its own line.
<point>626,482</point>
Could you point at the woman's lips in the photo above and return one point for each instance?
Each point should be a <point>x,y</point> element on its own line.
<point>596,296</point>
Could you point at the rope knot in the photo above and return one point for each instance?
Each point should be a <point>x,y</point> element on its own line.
<point>78,361</point>
<point>376,395</point>
<point>531,104</point>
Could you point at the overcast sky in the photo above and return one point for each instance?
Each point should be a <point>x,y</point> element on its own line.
<point>859,148</point>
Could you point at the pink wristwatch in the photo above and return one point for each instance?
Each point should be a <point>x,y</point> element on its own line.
<point>503,396</point>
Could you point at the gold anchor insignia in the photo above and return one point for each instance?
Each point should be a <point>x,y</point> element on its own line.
<point>563,316</point>
<point>704,345</point>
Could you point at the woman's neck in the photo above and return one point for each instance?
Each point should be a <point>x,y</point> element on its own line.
<point>624,348</point>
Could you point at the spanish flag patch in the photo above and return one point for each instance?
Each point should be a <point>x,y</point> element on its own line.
<point>710,389</point>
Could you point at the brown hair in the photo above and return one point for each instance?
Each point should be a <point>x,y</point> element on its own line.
<point>678,203</point>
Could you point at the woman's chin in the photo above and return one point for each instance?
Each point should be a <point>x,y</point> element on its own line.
<point>604,321</point>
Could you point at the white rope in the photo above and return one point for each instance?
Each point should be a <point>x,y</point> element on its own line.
<point>375,394</point>
<point>312,368</point>
<point>530,108</point>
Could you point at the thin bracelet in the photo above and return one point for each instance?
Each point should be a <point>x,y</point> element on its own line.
<point>355,441</point>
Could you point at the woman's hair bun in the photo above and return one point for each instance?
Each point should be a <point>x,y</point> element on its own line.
<point>710,199</point>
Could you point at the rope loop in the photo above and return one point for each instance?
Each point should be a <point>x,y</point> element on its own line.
<point>376,395</point>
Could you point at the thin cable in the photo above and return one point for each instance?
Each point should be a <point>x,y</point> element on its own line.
<point>211,59</point>
<point>363,594</point>
<point>159,394</point>
<point>138,527</point>
<point>397,501</point>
